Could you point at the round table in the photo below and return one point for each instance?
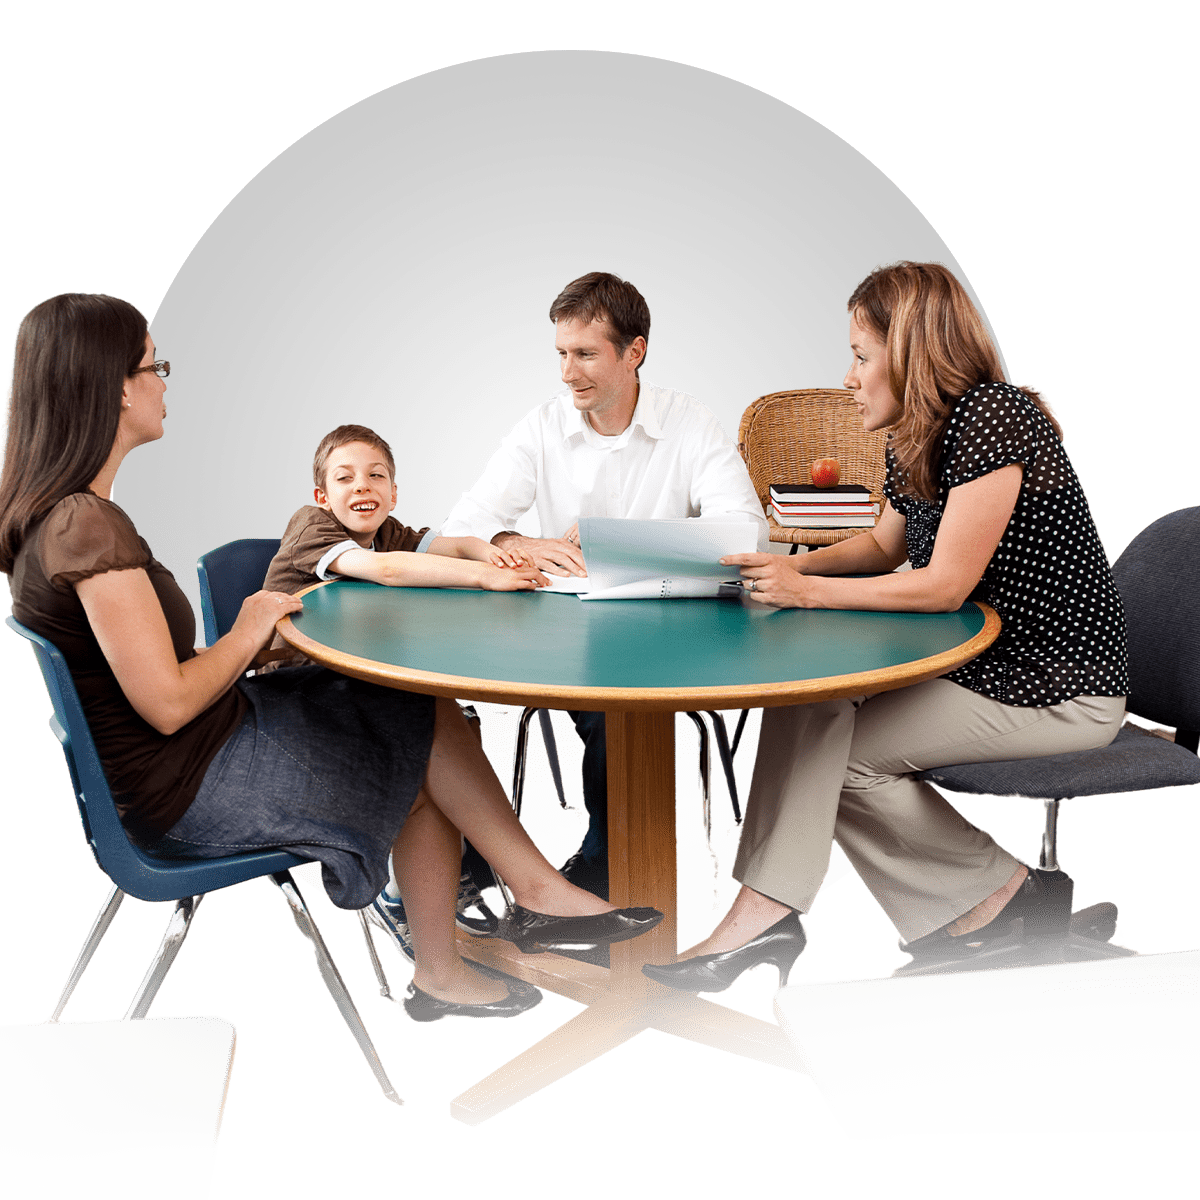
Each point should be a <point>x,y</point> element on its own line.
<point>639,661</point>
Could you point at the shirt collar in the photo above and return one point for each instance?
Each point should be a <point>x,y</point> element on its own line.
<point>645,414</point>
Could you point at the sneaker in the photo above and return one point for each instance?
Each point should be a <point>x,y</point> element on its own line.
<point>474,916</point>
<point>388,915</point>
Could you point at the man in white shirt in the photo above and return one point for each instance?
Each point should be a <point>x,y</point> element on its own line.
<point>608,446</point>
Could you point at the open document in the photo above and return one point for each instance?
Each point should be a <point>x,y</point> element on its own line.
<point>643,560</point>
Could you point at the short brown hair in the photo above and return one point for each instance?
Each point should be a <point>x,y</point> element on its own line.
<point>340,437</point>
<point>598,296</point>
<point>938,349</point>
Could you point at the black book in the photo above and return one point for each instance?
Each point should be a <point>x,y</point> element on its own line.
<point>793,493</point>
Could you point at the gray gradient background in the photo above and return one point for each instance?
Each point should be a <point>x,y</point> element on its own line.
<point>395,268</point>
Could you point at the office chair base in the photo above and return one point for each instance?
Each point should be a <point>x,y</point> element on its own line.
<point>1056,935</point>
<point>993,958</point>
<point>1083,949</point>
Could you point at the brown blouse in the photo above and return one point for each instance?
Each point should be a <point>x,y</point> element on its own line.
<point>154,776</point>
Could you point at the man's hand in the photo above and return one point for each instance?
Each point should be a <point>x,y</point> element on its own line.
<point>555,556</point>
<point>774,579</point>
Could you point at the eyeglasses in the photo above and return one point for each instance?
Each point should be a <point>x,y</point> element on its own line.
<point>162,368</point>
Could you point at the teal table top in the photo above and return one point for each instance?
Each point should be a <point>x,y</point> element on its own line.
<point>624,653</point>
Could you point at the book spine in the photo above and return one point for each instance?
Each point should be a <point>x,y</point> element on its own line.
<point>826,522</point>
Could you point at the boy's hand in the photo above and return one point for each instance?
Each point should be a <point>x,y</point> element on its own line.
<point>515,579</point>
<point>501,558</point>
<point>481,551</point>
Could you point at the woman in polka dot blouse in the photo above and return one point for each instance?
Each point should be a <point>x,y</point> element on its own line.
<point>983,502</point>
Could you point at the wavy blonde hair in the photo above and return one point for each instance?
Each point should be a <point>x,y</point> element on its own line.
<point>938,349</point>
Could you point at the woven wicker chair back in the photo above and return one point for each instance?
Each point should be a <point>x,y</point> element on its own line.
<point>782,433</point>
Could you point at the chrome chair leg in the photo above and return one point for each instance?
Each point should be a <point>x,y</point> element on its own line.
<point>384,988</point>
<point>99,928</point>
<point>726,756</point>
<point>705,775</point>
<point>518,784</point>
<point>333,981</point>
<point>168,948</point>
<point>1049,857</point>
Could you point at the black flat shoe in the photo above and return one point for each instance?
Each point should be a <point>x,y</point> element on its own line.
<point>534,932</point>
<point>421,1006</point>
<point>781,945</point>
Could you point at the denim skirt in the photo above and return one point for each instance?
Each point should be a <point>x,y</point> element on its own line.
<point>322,765</point>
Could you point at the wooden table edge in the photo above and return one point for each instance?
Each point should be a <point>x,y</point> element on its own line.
<point>641,699</point>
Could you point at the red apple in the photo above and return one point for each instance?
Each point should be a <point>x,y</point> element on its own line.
<point>826,472</point>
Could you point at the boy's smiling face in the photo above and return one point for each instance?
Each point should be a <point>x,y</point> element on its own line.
<point>358,490</point>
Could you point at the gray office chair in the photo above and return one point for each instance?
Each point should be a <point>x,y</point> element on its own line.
<point>1158,577</point>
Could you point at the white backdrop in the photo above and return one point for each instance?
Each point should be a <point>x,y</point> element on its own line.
<point>394,268</point>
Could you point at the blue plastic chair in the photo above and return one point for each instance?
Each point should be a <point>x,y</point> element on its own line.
<point>228,575</point>
<point>1158,577</point>
<point>147,876</point>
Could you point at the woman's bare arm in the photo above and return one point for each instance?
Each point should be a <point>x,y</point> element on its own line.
<point>873,551</point>
<point>977,513</point>
<point>127,619</point>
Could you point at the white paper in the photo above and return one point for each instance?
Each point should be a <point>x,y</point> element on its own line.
<point>641,560</point>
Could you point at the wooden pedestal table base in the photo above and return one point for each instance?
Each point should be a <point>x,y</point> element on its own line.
<point>609,1020</point>
<point>640,662</point>
<point>621,1000</point>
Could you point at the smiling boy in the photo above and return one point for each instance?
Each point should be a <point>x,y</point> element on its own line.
<point>349,531</point>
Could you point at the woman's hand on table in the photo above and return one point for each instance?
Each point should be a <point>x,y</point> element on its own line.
<point>775,579</point>
<point>260,613</point>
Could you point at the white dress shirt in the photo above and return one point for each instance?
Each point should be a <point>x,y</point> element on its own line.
<point>673,460</point>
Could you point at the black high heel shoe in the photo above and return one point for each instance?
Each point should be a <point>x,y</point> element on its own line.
<point>421,1006</point>
<point>534,932</point>
<point>781,945</point>
<point>1042,902</point>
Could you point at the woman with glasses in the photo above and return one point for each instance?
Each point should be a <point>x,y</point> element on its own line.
<point>207,762</point>
<point>984,504</point>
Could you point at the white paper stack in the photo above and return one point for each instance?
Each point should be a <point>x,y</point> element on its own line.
<point>643,560</point>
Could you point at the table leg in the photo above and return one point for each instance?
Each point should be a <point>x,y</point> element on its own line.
<point>641,857</point>
<point>641,837</point>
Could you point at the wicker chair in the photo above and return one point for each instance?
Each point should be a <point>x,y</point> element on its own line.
<point>782,433</point>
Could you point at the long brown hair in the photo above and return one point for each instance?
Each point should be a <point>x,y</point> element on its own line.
<point>74,353</point>
<point>938,349</point>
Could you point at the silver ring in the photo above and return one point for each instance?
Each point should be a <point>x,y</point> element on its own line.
<point>753,584</point>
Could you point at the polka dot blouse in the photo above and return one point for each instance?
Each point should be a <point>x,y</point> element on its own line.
<point>1063,631</point>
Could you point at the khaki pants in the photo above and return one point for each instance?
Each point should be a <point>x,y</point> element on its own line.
<point>841,770</point>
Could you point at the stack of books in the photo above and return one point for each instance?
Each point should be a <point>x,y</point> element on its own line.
<point>803,506</point>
